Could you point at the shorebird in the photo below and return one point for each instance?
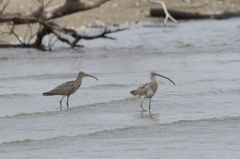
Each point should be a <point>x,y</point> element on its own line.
<point>68,88</point>
<point>148,90</point>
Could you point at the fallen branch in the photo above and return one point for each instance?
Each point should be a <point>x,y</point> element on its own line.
<point>141,11</point>
<point>188,15</point>
<point>42,16</point>
<point>53,28</point>
<point>167,14</point>
<point>4,5</point>
<point>68,7</point>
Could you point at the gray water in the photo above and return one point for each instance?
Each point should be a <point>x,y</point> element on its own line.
<point>198,118</point>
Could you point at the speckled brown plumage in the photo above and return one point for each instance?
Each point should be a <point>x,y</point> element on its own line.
<point>68,88</point>
<point>148,90</point>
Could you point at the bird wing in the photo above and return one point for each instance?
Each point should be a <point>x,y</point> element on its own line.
<point>142,90</point>
<point>63,88</point>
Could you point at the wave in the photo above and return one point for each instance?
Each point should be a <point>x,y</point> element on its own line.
<point>116,130</point>
<point>130,128</point>
<point>73,109</point>
<point>70,137</point>
<point>38,76</point>
<point>15,95</point>
<point>221,119</point>
<point>212,92</point>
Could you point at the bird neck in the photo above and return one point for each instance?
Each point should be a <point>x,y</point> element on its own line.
<point>154,79</point>
<point>79,80</point>
<point>154,85</point>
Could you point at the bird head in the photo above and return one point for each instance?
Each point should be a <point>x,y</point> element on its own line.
<point>82,74</point>
<point>153,74</point>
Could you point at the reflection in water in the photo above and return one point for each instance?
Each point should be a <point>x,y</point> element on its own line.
<point>148,115</point>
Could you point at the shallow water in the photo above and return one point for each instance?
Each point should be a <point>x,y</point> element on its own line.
<point>197,118</point>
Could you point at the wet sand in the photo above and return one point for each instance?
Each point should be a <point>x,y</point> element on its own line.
<point>119,12</point>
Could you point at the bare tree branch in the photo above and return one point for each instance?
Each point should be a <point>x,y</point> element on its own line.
<point>165,10</point>
<point>141,11</point>
<point>78,36</point>
<point>53,28</point>
<point>52,41</point>
<point>69,7</point>
<point>4,6</point>
<point>42,16</point>
<point>11,27</point>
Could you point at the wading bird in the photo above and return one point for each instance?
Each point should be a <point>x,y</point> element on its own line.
<point>148,90</point>
<point>68,88</point>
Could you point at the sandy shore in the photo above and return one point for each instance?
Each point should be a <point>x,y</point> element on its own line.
<point>119,12</point>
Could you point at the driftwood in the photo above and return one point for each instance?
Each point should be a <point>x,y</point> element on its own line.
<point>44,16</point>
<point>44,13</point>
<point>186,15</point>
<point>165,10</point>
<point>53,28</point>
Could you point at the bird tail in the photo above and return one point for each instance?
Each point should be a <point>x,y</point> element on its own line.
<point>48,94</point>
<point>133,92</point>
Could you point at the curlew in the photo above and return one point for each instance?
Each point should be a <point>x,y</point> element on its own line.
<point>68,88</point>
<point>148,90</point>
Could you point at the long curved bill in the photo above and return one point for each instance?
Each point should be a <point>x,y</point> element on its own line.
<point>165,77</point>
<point>91,76</point>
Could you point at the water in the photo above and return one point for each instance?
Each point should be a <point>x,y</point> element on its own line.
<point>197,118</point>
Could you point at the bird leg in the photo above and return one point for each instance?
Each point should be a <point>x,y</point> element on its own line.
<point>150,100</point>
<point>142,103</point>
<point>61,103</point>
<point>67,101</point>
